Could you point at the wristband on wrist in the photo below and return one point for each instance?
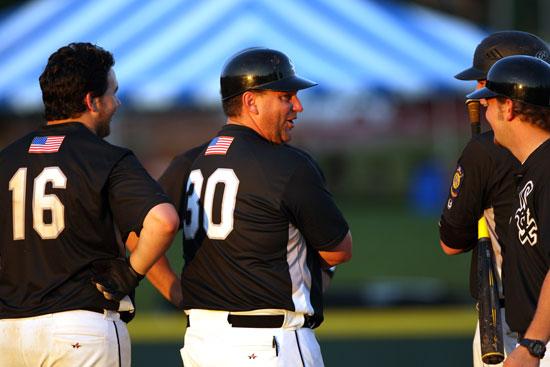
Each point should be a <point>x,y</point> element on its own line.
<point>133,271</point>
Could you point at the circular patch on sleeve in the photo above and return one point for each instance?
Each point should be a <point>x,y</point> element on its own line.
<point>457,181</point>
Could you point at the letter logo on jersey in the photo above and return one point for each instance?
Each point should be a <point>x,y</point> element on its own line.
<point>457,181</point>
<point>527,227</point>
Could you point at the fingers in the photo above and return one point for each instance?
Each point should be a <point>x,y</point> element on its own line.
<point>106,294</point>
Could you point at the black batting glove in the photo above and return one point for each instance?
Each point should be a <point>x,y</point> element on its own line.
<point>115,278</point>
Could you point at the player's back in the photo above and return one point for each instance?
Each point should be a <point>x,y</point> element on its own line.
<point>57,219</point>
<point>261,202</point>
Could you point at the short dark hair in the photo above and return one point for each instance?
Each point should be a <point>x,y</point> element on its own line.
<point>232,106</point>
<point>536,115</point>
<point>72,72</point>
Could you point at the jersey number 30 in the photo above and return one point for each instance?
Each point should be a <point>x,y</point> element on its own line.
<point>40,203</point>
<point>215,231</point>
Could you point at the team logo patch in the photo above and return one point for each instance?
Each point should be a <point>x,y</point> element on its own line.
<point>527,227</point>
<point>457,181</point>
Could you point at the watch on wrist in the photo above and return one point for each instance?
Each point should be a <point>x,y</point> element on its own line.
<point>537,348</point>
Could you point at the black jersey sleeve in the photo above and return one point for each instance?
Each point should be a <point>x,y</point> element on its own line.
<point>467,195</point>
<point>313,209</point>
<point>174,179</point>
<point>132,193</point>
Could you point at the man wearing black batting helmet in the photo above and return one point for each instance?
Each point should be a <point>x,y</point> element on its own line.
<point>483,183</point>
<point>259,225</point>
<point>517,97</point>
<point>69,198</point>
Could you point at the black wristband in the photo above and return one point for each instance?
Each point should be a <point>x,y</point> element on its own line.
<point>138,276</point>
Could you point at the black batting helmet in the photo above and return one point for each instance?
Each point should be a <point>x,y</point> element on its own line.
<point>502,44</point>
<point>260,68</point>
<point>521,78</point>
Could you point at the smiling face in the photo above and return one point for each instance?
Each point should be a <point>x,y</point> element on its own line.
<point>495,117</point>
<point>276,114</point>
<point>107,105</point>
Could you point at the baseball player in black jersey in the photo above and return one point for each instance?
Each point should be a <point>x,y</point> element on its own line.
<point>258,223</point>
<point>70,199</point>
<point>517,97</point>
<point>483,183</point>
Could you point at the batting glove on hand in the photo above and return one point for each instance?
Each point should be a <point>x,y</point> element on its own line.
<point>115,278</point>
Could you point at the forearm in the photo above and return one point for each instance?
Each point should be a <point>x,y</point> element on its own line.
<point>159,228</point>
<point>539,329</point>
<point>165,280</point>
<point>340,254</point>
<point>540,326</point>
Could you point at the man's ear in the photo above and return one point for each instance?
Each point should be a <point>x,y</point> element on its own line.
<point>249,102</point>
<point>90,102</point>
<point>509,110</point>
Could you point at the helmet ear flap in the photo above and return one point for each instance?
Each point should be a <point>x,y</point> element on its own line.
<point>260,68</point>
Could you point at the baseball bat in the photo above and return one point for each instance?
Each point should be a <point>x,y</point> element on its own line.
<point>473,108</point>
<point>490,324</point>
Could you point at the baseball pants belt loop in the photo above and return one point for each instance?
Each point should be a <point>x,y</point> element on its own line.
<point>256,321</point>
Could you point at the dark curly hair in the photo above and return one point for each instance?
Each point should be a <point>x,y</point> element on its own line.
<point>72,72</point>
<point>536,115</point>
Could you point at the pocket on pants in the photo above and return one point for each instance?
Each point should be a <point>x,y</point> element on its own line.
<point>204,348</point>
<point>253,347</point>
<point>83,342</point>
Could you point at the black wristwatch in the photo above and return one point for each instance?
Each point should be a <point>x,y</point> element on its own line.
<point>537,348</point>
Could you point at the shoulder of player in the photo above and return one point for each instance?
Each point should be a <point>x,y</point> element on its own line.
<point>191,154</point>
<point>483,147</point>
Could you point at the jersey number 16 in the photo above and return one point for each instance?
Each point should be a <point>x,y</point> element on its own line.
<point>40,202</point>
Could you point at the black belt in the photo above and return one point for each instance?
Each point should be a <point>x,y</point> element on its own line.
<point>261,321</point>
<point>256,321</point>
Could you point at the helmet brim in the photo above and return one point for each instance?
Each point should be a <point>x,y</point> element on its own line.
<point>471,74</point>
<point>294,82</point>
<point>482,93</point>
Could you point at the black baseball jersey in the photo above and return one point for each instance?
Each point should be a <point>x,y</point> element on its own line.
<point>65,193</point>
<point>483,181</point>
<point>255,215</point>
<point>527,260</point>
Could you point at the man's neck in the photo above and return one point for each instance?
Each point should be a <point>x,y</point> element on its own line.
<point>84,119</point>
<point>526,140</point>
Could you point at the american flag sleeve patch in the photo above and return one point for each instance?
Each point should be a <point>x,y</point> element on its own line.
<point>219,145</point>
<point>46,144</point>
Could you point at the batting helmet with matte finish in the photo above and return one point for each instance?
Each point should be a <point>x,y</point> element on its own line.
<point>260,68</point>
<point>521,78</point>
<point>502,44</point>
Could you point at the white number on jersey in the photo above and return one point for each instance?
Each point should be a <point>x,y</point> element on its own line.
<point>40,203</point>
<point>215,231</point>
